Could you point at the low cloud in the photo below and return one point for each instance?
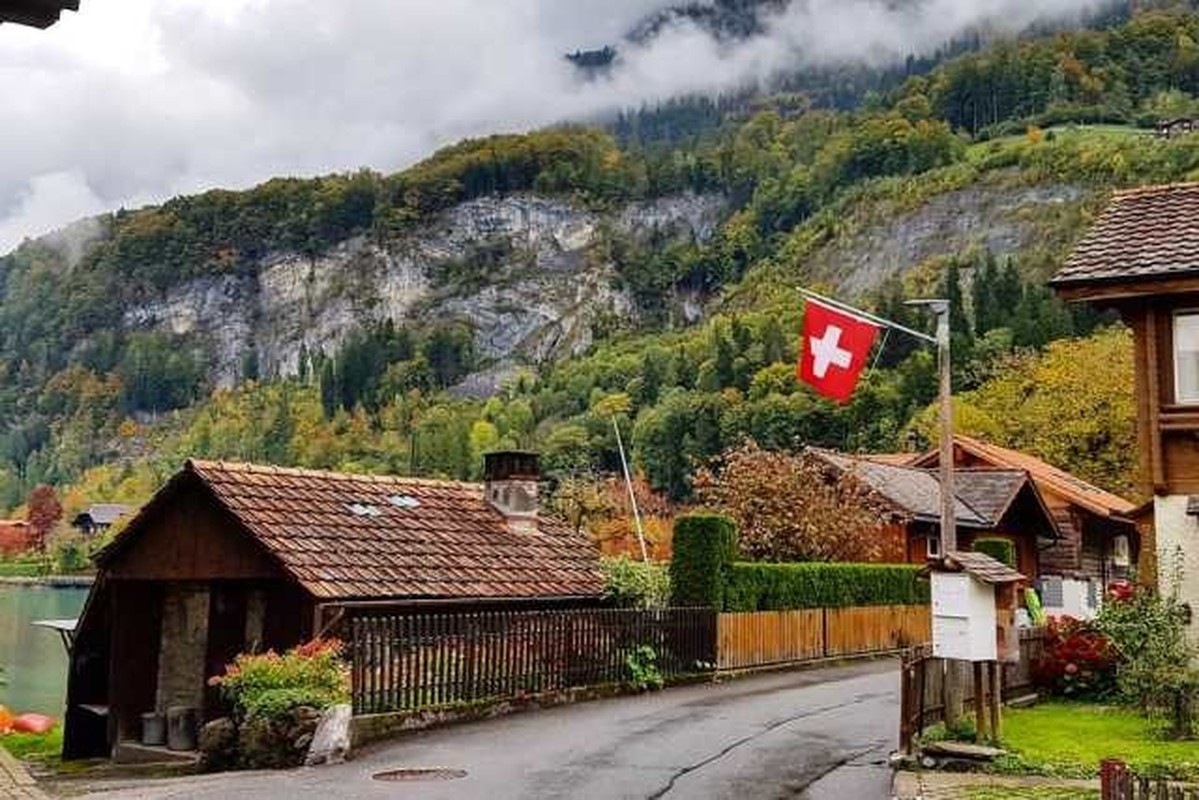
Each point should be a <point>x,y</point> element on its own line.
<point>127,102</point>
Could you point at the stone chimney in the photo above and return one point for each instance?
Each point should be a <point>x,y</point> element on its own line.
<point>510,481</point>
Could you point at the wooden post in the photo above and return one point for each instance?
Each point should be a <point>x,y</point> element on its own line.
<point>980,701</point>
<point>1113,776</point>
<point>951,690</point>
<point>996,701</point>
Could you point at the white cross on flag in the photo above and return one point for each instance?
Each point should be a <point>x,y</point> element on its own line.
<point>834,350</point>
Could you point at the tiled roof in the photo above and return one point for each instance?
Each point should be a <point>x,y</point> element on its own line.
<point>1151,232</point>
<point>36,13</point>
<point>894,459</point>
<point>358,536</point>
<point>989,491</point>
<point>982,567</point>
<point>915,491</point>
<point>1073,488</point>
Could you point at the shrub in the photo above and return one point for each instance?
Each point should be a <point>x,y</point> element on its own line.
<point>1002,550</point>
<point>1079,661</point>
<point>270,685</point>
<point>642,664</point>
<point>782,587</point>
<point>705,546</point>
<point>1148,631</point>
<point>635,584</point>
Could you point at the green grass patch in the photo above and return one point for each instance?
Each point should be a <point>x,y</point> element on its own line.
<point>34,746</point>
<point>24,568</point>
<point>1070,739</point>
<point>1030,793</point>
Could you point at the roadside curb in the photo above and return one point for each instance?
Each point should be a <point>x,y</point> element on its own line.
<point>15,780</point>
<point>909,785</point>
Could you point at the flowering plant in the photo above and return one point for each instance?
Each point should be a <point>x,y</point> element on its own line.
<point>269,685</point>
<point>1078,662</point>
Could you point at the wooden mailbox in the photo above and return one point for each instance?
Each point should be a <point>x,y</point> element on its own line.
<point>974,601</point>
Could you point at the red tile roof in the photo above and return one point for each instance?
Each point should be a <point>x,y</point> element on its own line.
<point>369,537</point>
<point>1151,232</point>
<point>1051,478</point>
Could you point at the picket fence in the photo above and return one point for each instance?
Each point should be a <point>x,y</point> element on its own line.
<point>409,662</point>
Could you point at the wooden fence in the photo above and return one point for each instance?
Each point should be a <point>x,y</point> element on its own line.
<point>413,661</point>
<point>1120,783</point>
<point>923,683</point>
<point>768,638</point>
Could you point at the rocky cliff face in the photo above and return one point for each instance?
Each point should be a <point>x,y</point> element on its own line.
<point>529,275</point>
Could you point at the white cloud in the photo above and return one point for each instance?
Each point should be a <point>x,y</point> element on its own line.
<point>141,99</point>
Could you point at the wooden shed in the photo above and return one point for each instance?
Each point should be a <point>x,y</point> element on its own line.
<point>232,558</point>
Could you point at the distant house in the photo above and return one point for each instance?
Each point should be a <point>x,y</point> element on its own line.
<point>1003,503</point>
<point>14,536</point>
<point>230,558</point>
<point>36,13</point>
<point>1099,539</point>
<point>99,518</point>
<point>1141,259</point>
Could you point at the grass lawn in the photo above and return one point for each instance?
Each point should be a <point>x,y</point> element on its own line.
<point>34,747</point>
<point>1070,739</point>
<point>1031,793</point>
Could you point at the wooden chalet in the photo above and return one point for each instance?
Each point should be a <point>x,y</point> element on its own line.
<point>1002,503</point>
<point>98,518</point>
<point>35,13</point>
<point>232,558</point>
<point>1099,541</point>
<point>1141,259</point>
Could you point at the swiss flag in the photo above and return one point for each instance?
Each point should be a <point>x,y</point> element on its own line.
<point>834,350</point>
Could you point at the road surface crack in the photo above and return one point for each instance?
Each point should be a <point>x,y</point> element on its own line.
<point>770,729</point>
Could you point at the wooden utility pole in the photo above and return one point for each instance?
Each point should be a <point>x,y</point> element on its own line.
<point>949,539</point>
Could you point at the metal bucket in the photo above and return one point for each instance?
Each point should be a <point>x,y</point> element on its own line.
<point>154,729</point>
<point>181,728</point>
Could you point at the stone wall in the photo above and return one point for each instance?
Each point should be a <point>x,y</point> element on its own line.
<point>182,647</point>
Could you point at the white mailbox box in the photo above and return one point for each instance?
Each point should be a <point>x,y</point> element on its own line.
<point>973,598</point>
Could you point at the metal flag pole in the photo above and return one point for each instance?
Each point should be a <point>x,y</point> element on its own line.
<point>942,341</point>
<point>628,482</point>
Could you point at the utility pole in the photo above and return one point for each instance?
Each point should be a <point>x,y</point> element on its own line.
<point>949,538</point>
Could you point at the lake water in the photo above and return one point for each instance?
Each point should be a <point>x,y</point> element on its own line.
<point>33,659</point>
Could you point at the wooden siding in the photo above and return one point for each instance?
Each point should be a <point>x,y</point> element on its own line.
<point>191,538</point>
<point>1166,430</point>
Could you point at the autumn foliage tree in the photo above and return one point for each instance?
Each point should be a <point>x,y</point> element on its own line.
<point>793,507</point>
<point>45,511</point>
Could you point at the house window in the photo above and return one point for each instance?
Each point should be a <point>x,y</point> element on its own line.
<point>1186,357</point>
<point>934,546</point>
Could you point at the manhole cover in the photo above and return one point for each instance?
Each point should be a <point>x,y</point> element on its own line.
<point>398,775</point>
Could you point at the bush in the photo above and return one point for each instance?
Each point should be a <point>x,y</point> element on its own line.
<point>270,685</point>
<point>1002,550</point>
<point>635,584</point>
<point>1148,631</point>
<point>705,546</point>
<point>782,587</point>
<point>1079,661</point>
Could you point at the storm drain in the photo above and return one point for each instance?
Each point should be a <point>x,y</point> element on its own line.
<point>403,775</point>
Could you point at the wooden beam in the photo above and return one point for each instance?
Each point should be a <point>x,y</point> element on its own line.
<point>1130,289</point>
<point>1152,356</point>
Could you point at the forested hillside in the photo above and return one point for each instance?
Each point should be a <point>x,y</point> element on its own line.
<point>650,282</point>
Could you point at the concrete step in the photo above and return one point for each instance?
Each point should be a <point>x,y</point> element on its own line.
<point>137,753</point>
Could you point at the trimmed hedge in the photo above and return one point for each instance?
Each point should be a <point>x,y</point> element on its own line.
<point>705,547</point>
<point>1002,550</point>
<point>785,587</point>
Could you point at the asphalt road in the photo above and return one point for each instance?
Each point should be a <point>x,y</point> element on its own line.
<point>815,734</point>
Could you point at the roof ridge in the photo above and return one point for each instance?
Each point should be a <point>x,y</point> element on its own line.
<point>199,465</point>
<point>1154,188</point>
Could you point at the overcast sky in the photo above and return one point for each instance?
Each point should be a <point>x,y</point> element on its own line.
<point>131,101</point>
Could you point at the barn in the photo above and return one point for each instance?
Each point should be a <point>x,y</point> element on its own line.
<point>231,558</point>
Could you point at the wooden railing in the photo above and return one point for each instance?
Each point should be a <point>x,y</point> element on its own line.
<point>414,661</point>
<point>923,684</point>
<point>1118,782</point>
<point>766,638</point>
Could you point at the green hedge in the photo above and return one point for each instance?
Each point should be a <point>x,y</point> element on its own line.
<point>705,546</point>
<point>783,587</point>
<point>1002,550</point>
